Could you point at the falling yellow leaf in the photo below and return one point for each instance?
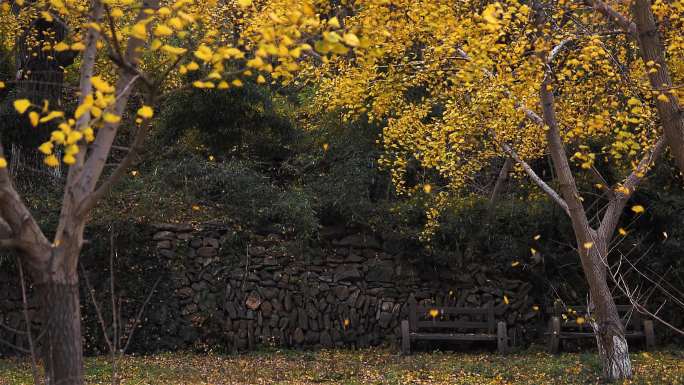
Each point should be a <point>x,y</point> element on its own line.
<point>33,118</point>
<point>505,299</point>
<point>535,307</point>
<point>537,237</point>
<point>515,263</point>
<point>21,105</point>
<point>434,313</point>
<point>3,162</point>
<point>580,320</point>
<point>427,188</point>
<point>638,209</point>
<point>588,245</point>
<point>622,231</point>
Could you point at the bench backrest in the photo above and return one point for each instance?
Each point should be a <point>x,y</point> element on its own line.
<point>452,318</point>
<point>631,318</point>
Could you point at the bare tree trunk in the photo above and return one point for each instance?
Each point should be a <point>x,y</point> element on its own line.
<point>652,52</point>
<point>604,318</point>
<point>593,250</point>
<point>61,349</point>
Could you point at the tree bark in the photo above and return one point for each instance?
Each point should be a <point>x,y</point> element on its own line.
<point>61,345</point>
<point>652,51</point>
<point>604,318</point>
<point>593,250</point>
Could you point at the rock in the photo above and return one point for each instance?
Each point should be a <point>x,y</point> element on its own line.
<point>166,244</point>
<point>380,272</point>
<point>302,319</point>
<point>210,242</point>
<point>206,252</point>
<point>175,227</point>
<point>342,292</point>
<point>266,309</point>
<point>347,273</point>
<point>164,235</point>
<point>253,300</point>
<point>298,336</point>
<point>167,253</point>
<point>257,251</point>
<point>359,241</point>
<point>326,339</point>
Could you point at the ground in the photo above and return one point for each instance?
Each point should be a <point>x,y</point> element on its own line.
<point>370,366</point>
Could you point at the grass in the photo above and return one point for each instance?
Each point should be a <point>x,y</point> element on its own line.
<point>369,366</point>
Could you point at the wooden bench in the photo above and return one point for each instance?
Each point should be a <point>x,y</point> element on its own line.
<point>434,323</point>
<point>561,328</point>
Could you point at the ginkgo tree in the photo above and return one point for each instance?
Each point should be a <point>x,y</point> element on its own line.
<point>460,84</point>
<point>134,53</point>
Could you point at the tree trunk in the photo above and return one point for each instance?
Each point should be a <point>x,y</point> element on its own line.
<point>61,346</point>
<point>653,52</point>
<point>605,320</point>
<point>593,250</point>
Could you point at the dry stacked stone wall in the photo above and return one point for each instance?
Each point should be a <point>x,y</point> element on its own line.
<point>274,292</point>
<point>350,293</point>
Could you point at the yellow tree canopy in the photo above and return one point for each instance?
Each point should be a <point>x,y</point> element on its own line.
<point>454,83</point>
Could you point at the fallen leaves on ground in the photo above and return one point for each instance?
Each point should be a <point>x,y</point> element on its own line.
<point>366,366</point>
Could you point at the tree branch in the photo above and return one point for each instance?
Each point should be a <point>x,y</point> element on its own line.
<point>609,12</point>
<point>536,179</point>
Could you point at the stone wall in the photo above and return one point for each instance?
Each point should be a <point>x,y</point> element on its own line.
<point>216,293</point>
<point>349,292</point>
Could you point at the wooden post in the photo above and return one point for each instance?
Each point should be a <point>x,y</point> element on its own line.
<point>502,337</point>
<point>649,334</point>
<point>554,334</point>
<point>405,338</point>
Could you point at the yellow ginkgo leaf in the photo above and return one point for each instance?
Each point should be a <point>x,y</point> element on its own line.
<point>46,148</point>
<point>515,263</point>
<point>21,105</point>
<point>111,118</point>
<point>334,22</point>
<point>51,161</point>
<point>537,237</point>
<point>33,118</point>
<point>580,320</point>
<point>427,188</point>
<point>505,299</point>
<point>622,231</point>
<point>146,112</point>
<point>638,209</point>
<point>3,162</point>
<point>588,245</point>
<point>351,40</point>
<point>244,3</point>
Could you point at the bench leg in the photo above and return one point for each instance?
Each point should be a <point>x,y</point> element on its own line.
<point>405,338</point>
<point>502,337</point>
<point>649,334</point>
<point>554,335</point>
